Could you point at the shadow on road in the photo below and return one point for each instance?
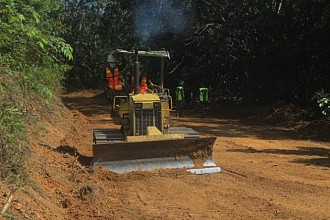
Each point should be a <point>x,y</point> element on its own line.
<point>89,106</point>
<point>83,160</point>
<point>321,155</point>
<point>248,122</point>
<point>221,121</point>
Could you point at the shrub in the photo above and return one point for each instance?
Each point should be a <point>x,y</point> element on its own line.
<point>323,100</point>
<point>12,129</point>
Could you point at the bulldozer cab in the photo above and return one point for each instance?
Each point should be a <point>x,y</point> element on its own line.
<point>123,106</point>
<point>146,139</point>
<point>139,69</point>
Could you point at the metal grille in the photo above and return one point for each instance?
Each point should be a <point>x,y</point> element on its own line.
<point>145,118</point>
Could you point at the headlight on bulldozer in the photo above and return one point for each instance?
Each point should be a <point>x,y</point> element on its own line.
<point>157,105</point>
<point>138,106</point>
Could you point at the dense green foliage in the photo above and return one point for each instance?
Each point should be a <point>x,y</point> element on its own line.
<point>253,51</point>
<point>31,60</point>
<point>323,100</point>
<point>12,131</point>
<point>94,29</point>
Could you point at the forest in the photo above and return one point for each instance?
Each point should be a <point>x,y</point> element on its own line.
<point>247,52</point>
<point>250,51</point>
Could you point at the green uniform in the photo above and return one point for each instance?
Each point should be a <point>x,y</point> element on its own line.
<point>203,99</point>
<point>179,93</point>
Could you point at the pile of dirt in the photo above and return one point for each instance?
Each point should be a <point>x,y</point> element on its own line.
<point>317,130</point>
<point>286,114</point>
<point>300,120</point>
<point>305,123</point>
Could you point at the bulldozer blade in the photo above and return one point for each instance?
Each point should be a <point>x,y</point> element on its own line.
<point>206,170</point>
<point>123,166</point>
<point>122,156</point>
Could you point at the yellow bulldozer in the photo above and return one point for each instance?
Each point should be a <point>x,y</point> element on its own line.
<point>146,140</point>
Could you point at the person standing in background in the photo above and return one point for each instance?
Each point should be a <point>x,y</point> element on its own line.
<point>179,99</point>
<point>203,99</point>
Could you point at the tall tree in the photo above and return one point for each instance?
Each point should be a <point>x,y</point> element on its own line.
<point>252,50</point>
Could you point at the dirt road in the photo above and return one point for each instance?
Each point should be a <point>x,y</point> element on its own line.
<point>269,172</point>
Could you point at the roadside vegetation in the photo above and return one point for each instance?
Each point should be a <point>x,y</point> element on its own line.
<point>32,59</point>
<point>256,52</point>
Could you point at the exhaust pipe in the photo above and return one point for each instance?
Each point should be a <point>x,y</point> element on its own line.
<point>137,74</point>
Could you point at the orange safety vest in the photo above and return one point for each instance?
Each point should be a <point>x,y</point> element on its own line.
<point>144,85</point>
<point>109,77</point>
<point>118,85</point>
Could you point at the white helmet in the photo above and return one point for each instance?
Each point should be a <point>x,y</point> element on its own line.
<point>112,60</point>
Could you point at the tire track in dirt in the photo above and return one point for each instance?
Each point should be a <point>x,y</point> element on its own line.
<point>266,174</point>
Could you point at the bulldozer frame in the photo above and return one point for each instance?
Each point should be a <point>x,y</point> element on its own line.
<point>146,139</point>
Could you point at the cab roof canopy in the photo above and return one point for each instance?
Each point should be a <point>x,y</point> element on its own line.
<point>154,53</point>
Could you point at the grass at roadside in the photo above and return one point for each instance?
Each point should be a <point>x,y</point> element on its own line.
<point>21,95</point>
<point>12,129</point>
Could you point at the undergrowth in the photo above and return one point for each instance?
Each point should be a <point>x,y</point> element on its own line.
<point>323,100</point>
<point>16,88</point>
<point>12,129</point>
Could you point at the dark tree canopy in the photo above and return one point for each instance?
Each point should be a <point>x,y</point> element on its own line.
<point>248,50</point>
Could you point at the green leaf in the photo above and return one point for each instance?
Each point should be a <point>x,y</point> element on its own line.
<point>36,16</point>
<point>41,44</point>
<point>21,17</point>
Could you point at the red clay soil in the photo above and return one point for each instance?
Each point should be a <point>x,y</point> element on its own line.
<point>269,171</point>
